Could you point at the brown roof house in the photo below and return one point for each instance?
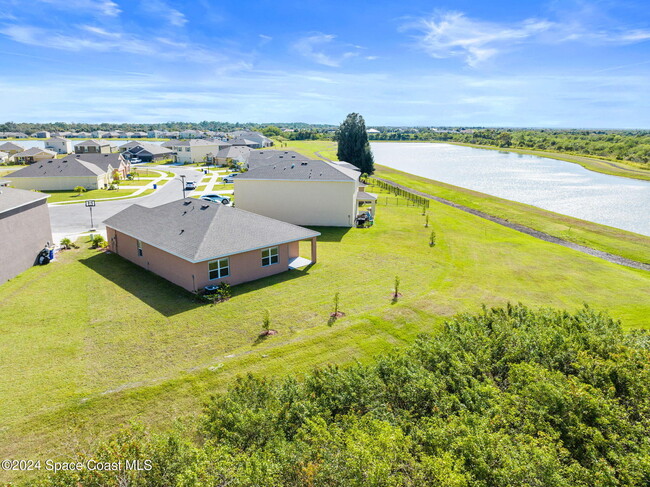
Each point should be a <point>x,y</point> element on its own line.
<point>195,243</point>
<point>11,148</point>
<point>25,229</point>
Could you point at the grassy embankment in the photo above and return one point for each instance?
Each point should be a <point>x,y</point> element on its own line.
<point>600,237</point>
<point>92,341</point>
<point>93,194</point>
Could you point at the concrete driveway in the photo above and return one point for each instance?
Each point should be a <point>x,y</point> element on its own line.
<point>74,219</point>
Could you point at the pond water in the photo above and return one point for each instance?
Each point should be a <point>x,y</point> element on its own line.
<point>550,184</point>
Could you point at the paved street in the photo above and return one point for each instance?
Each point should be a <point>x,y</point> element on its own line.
<point>74,219</point>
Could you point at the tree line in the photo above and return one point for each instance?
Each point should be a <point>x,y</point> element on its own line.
<point>510,396</point>
<point>624,145</point>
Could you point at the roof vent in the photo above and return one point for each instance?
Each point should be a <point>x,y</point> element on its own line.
<point>182,230</point>
<point>203,207</point>
<point>187,203</point>
<point>292,166</point>
<point>303,163</point>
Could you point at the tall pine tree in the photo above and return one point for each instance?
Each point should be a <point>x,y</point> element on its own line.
<point>353,143</point>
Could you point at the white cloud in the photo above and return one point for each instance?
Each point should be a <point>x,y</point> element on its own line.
<point>164,10</point>
<point>451,34</point>
<point>312,47</point>
<point>107,8</point>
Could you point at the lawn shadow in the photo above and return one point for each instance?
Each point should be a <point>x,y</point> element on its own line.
<point>247,287</point>
<point>331,234</point>
<point>163,296</point>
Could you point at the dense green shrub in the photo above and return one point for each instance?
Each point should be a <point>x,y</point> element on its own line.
<point>508,397</point>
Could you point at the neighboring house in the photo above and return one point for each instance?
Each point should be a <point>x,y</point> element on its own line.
<point>59,144</point>
<point>195,150</point>
<point>4,157</point>
<point>265,157</point>
<point>32,155</point>
<point>156,134</point>
<point>44,134</point>
<point>11,148</point>
<point>302,192</point>
<point>372,132</point>
<point>61,175</point>
<point>110,163</point>
<point>25,229</point>
<point>147,152</point>
<point>237,154</point>
<point>93,147</point>
<point>13,135</point>
<point>195,243</point>
<point>260,140</point>
<point>241,141</point>
<point>190,134</point>
<point>98,134</point>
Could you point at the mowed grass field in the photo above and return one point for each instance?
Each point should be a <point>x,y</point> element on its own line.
<point>92,341</point>
<point>600,237</point>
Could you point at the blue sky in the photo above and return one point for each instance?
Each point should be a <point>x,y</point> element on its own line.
<point>498,63</point>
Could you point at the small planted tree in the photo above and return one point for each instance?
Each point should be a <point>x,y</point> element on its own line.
<point>337,313</point>
<point>66,243</point>
<point>79,190</point>
<point>432,239</point>
<point>396,293</point>
<point>426,222</point>
<point>266,325</point>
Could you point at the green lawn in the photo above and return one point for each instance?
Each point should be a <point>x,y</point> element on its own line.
<point>94,194</point>
<point>601,237</point>
<point>310,148</point>
<point>92,341</point>
<point>9,168</point>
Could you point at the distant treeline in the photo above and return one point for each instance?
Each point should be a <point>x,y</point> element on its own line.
<point>30,128</point>
<point>624,145</point>
<point>509,397</point>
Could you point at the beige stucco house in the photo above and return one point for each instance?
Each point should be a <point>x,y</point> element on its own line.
<point>93,147</point>
<point>25,229</point>
<point>32,155</point>
<point>195,243</point>
<point>61,175</point>
<point>59,144</point>
<point>302,192</point>
<point>11,148</point>
<point>194,150</point>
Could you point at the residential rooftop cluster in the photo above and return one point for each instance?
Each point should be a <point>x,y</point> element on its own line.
<point>195,242</point>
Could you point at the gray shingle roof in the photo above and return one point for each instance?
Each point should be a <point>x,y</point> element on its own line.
<point>185,143</point>
<point>32,151</point>
<point>102,161</point>
<point>151,149</point>
<point>300,170</point>
<point>198,230</point>
<point>69,166</point>
<point>264,157</point>
<point>10,146</point>
<point>11,198</point>
<point>92,143</point>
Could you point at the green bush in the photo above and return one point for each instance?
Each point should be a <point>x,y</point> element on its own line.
<point>508,397</point>
<point>98,242</point>
<point>79,189</point>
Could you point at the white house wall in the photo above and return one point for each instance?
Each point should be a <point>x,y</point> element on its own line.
<point>59,183</point>
<point>320,203</point>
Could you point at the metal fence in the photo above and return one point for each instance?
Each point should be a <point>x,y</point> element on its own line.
<point>389,195</point>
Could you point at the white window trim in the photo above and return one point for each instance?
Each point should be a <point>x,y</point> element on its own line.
<point>277,254</point>
<point>218,269</point>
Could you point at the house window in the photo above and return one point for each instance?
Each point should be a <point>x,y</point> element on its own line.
<point>139,248</point>
<point>270,256</point>
<point>219,268</point>
<point>187,149</point>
